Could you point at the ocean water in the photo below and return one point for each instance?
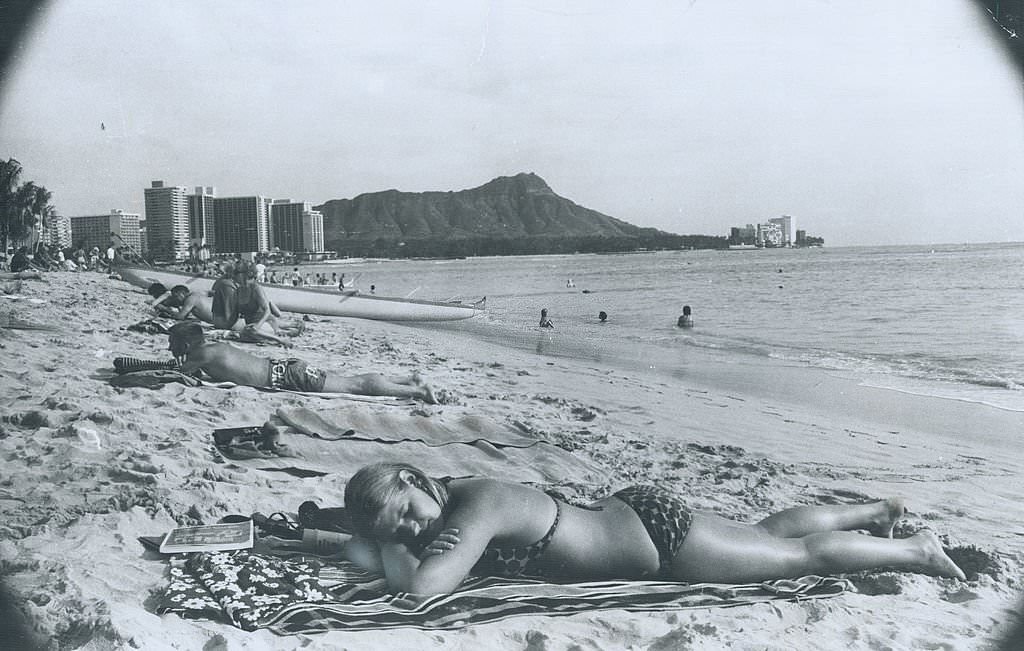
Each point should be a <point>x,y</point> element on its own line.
<point>945,321</point>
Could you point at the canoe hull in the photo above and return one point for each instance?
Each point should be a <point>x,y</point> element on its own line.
<point>321,301</point>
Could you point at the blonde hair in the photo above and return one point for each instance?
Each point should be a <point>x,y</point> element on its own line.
<point>375,485</point>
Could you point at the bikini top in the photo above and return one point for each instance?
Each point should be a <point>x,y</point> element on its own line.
<point>517,561</point>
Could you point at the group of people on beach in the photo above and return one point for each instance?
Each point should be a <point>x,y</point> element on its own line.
<point>43,257</point>
<point>238,303</point>
<point>427,534</point>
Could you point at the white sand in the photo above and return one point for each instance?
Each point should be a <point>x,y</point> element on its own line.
<point>86,468</point>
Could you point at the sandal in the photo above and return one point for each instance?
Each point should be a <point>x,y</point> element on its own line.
<point>312,516</point>
<point>278,525</point>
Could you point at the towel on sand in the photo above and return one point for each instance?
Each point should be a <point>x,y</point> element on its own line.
<point>321,441</point>
<point>289,597</point>
<point>361,424</point>
<point>152,379</point>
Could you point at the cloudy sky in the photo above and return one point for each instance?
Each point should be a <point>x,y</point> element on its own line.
<point>870,122</point>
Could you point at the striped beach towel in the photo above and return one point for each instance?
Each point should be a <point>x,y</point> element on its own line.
<point>310,597</point>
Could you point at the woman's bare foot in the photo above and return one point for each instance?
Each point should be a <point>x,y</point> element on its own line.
<point>935,560</point>
<point>890,512</point>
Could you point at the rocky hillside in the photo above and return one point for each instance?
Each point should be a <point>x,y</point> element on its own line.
<point>517,208</point>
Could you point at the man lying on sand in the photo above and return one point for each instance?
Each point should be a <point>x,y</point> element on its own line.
<point>226,363</point>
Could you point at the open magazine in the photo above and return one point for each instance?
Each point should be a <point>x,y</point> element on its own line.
<point>209,537</point>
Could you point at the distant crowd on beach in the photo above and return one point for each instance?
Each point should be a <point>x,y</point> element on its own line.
<point>43,257</point>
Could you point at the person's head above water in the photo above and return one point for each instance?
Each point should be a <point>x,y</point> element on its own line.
<point>183,337</point>
<point>686,310</point>
<point>393,501</point>
<point>602,315</point>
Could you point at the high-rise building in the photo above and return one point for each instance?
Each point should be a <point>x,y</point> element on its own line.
<point>200,217</point>
<point>769,235</point>
<point>143,238</point>
<point>57,232</point>
<point>118,228</point>
<point>241,224</point>
<point>785,224</point>
<point>296,227</point>
<point>167,228</point>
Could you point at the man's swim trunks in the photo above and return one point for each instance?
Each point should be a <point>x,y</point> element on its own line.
<point>665,517</point>
<point>296,375</point>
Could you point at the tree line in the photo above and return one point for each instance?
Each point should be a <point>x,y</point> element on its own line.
<point>23,206</point>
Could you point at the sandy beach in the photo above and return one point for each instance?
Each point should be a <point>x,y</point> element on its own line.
<point>86,468</point>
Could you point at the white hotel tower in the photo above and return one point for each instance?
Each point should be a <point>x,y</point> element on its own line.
<point>167,221</point>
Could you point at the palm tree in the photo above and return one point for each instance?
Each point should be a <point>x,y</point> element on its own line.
<point>25,219</point>
<point>41,210</point>
<point>10,174</point>
<point>22,206</point>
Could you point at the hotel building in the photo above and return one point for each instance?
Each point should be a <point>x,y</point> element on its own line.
<point>241,224</point>
<point>785,224</point>
<point>296,227</point>
<point>118,228</point>
<point>769,235</point>
<point>200,217</point>
<point>167,228</point>
<point>57,232</point>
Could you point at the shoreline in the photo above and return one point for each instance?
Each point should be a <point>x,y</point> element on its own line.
<point>89,468</point>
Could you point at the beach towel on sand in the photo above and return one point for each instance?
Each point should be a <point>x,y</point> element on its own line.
<point>289,597</point>
<point>152,379</point>
<point>384,427</point>
<point>341,440</point>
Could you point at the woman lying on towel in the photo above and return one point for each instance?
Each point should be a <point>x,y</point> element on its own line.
<point>431,534</point>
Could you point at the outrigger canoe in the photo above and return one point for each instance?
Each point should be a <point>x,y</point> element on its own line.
<point>317,300</point>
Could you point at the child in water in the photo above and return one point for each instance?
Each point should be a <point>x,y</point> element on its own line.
<point>545,322</point>
<point>686,320</point>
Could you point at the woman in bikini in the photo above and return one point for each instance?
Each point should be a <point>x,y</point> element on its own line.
<point>431,534</point>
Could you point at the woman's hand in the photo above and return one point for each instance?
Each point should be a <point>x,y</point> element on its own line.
<point>445,541</point>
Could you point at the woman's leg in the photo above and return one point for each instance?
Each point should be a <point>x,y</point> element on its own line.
<point>876,517</point>
<point>720,550</point>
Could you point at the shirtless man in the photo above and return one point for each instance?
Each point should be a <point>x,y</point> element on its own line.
<point>181,303</point>
<point>223,362</point>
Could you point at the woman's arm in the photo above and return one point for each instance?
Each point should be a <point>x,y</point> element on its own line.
<point>477,517</point>
<point>263,305</point>
<point>400,565</point>
<point>363,553</point>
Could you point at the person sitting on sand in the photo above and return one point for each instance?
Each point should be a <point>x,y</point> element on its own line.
<point>225,299</point>
<point>258,312</point>
<point>181,303</point>
<point>223,362</point>
<point>20,260</point>
<point>430,534</point>
<point>686,320</point>
<point>545,322</point>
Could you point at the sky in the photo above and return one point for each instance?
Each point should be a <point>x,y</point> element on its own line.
<point>869,122</point>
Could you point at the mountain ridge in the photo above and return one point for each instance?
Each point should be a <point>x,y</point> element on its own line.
<point>523,205</point>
